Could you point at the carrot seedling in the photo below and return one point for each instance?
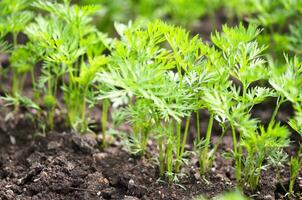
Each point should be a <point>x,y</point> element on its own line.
<point>243,56</point>
<point>14,18</point>
<point>296,160</point>
<point>139,75</point>
<point>72,60</point>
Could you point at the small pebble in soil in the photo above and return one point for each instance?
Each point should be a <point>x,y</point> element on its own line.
<point>9,193</point>
<point>220,177</point>
<point>131,182</point>
<point>268,197</point>
<point>98,157</point>
<point>197,175</point>
<point>101,180</point>
<point>109,140</point>
<point>130,198</point>
<point>99,138</point>
<point>12,140</point>
<point>162,195</point>
<point>53,145</point>
<point>105,181</point>
<point>70,166</point>
<point>85,144</point>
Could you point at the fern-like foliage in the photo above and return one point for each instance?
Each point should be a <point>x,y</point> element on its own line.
<point>287,79</point>
<point>14,15</point>
<point>260,146</point>
<point>242,52</point>
<point>65,38</point>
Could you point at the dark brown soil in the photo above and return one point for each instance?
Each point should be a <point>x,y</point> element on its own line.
<point>68,166</point>
<point>64,165</point>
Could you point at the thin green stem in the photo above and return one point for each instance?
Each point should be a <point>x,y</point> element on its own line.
<point>180,76</point>
<point>239,150</point>
<point>280,101</point>
<point>204,165</point>
<point>237,165</point>
<point>184,141</point>
<point>161,157</point>
<point>244,91</point>
<point>82,97</point>
<point>144,140</point>
<point>178,143</point>
<point>34,84</point>
<point>295,165</point>
<point>211,156</point>
<point>33,78</point>
<point>293,175</point>
<point>169,151</point>
<point>198,126</point>
<point>240,153</point>
<point>70,72</point>
<point>105,109</point>
<point>83,110</point>
<point>258,173</point>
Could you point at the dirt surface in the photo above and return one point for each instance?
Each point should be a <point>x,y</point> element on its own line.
<point>64,165</point>
<point>68,166</point>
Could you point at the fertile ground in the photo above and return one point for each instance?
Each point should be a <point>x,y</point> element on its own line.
<point>65,165</point>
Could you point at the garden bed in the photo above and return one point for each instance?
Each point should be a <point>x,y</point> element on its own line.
<point>94,105</point>
<point>65,165</point>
